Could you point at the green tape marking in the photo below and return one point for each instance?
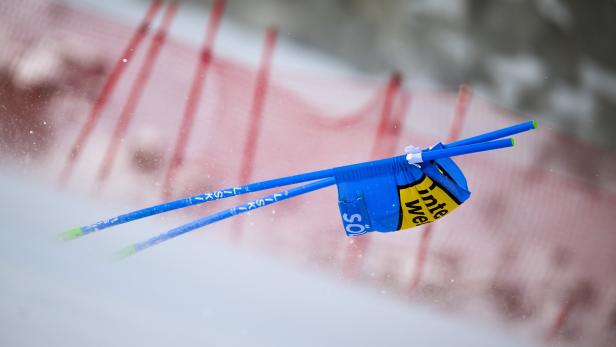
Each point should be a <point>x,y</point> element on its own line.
<point>71,234</point>
<point>125,252</point>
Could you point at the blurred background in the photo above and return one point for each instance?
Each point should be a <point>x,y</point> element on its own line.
<point>548,57</point>
<point>107,107</point>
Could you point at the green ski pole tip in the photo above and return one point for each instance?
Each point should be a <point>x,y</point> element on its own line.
<point>512,142</point>
<point>71,234</point>
<point>125,252</point>
<point>534,124</point>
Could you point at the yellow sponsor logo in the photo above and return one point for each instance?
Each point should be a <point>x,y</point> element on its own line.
<point>424,202</point>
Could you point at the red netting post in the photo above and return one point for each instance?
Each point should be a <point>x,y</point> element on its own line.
<point>138,86</point>
<point>581,295</point>
<point>386,124</point>
<point>108,87</point>
<point>357,247</point>
<point>464,98</point>
<point>390,145</point>
<point>256,114</point>
<point>465,94</point>
<point>560,319</point>
<point>193,98</point>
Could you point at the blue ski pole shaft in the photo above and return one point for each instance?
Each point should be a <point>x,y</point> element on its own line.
<point>216,217</point>
<point>195,200</point>
<point>466,149</point>
<point>497,134</point>
<point>278,182</point>
<point>287,194</point>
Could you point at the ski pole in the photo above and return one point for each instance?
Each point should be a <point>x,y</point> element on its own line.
<point>458,150</point>
<point>195,200</point>
<point>284,181</point>
<point>496,134</point>
<point>216,217</point>
<point>273,198</point>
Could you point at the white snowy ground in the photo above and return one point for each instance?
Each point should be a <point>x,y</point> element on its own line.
<point>195,290</point>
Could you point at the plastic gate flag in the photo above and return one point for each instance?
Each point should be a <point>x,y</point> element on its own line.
<point>383,195</point>
<point>395,195</point>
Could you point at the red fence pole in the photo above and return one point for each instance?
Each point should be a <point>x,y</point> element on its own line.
<point>256,114</point>
<point>581,295</point>
<point>560,319</point>
<point>464,98</point>
<point>395,130</point>
<point>356,249</point>
<point>108,87</point>
<point>256,110</point>
<point>193,98</point>
<point>386,123</point>
<point>135,94</point>
<point>465,94</point>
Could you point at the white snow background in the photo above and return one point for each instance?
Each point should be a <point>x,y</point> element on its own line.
<point>55,293</point>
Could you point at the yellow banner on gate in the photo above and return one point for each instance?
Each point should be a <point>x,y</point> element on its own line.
<point>423,202</point>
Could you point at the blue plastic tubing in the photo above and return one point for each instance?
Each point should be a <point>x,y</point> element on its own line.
<point>467,149</point>
<point>268,200</point>
<point>206,197</point>
<point>453,149</point>
<point>287,194</point>
<point>496,134</point>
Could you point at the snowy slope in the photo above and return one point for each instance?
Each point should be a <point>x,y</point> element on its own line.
<point>193,290</point>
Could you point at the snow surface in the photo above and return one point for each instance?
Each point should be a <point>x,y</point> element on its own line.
<point>195,290</point>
